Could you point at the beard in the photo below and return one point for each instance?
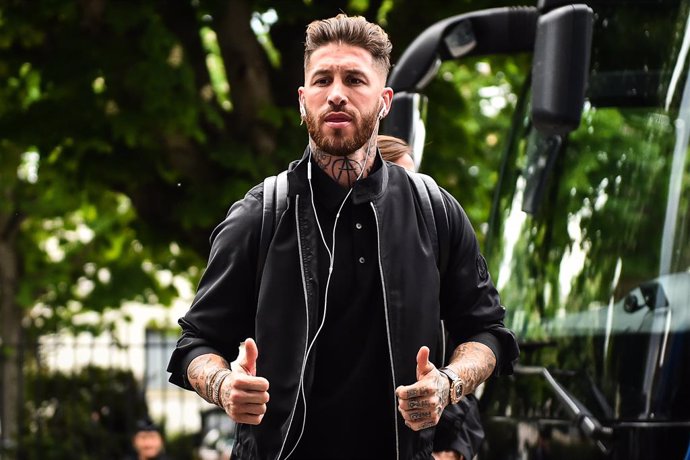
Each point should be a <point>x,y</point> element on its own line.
<point>339,144</point>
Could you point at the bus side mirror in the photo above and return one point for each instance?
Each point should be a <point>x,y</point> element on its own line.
<point>560,68</point>
<point>406,120</point>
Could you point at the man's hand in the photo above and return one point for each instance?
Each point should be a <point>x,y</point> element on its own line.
<point>422,403</point>
<point>243,395</point>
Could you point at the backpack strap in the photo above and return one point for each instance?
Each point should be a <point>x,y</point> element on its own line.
<point>435,215</point>
<point>281,196</point>
<point>427,211</point>
<point>275,204</point>
<point>266,226</point>
<point>441,216</point>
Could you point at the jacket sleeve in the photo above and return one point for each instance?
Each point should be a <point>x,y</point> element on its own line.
<point>460,428</point>
<point>470,304</point>
<point>223,310</point>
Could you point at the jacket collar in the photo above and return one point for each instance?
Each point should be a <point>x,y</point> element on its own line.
<point>370,188</point>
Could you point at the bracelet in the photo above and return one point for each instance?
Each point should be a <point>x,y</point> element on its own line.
<point>216,382</point>
<point>219,396</point>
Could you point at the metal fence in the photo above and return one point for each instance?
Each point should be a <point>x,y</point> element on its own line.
<point>80,397</point>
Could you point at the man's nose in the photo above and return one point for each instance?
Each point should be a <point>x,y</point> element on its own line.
<point>337,96</point>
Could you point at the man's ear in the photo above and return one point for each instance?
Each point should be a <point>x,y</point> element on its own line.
<point>387,97</point>
<point>300,99</point>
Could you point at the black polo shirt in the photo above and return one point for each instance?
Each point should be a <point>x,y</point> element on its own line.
<point>350,408</point>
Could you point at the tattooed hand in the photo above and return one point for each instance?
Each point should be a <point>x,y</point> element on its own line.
<point>241,393</point>
<point>422,403</point>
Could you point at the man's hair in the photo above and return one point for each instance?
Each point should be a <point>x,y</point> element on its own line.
<point>353,31</point>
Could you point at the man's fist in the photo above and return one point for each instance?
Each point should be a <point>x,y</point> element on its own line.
<point>422,403</point>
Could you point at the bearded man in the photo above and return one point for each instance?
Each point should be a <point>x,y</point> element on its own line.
<point>346,309</point>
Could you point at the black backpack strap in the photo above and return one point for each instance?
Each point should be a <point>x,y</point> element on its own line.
<point>428,211</point>
<point>266,226</point>
<point>442,225</point>
<point>281,196</point>
<point>436,217</point>
<point>275,204</point>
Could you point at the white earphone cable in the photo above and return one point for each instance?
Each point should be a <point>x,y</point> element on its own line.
<point>331,257</point>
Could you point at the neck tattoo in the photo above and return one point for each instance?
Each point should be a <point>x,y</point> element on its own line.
<point>345,170</point>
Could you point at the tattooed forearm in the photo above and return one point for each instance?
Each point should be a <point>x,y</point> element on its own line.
<point>474,362</point>
<point>203,373</point>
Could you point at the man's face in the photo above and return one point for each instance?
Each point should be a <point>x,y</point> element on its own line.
<point>148,444</point>
<point>343,94</point>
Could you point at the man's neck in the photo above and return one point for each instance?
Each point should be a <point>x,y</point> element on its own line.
<point>345,170</point>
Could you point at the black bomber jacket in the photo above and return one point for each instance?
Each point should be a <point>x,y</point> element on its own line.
<point>227,308</point>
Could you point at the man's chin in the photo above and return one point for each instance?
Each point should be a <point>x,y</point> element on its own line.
<point>339,150</point>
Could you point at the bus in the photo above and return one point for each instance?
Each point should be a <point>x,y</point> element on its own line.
<point>588,239</point>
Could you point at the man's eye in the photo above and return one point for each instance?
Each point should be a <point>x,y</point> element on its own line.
<point>355,81</point>
<point>321,81</point>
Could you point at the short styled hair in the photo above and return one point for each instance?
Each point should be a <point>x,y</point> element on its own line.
<point>353,31</point>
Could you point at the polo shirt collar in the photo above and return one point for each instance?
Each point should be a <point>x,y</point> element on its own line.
<point>328,192</point>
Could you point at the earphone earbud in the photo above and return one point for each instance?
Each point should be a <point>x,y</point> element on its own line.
<point>302,111</point>
<point>382,112</point>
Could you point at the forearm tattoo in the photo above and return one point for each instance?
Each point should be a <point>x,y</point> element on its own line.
<point>206,374</point>
<point>474,362</point>
<point>344,170</point>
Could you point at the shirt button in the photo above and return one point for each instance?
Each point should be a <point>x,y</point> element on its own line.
<point>358,226</point>
<point>361,260</point>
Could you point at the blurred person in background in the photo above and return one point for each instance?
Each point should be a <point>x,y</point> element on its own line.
<point>147,442</point>
<point>396,151</point>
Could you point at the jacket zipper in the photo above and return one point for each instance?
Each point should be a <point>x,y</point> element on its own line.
<point>388,331</point>
<point>300,389</point>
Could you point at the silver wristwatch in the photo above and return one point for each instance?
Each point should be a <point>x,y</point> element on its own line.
<point>456,384</point>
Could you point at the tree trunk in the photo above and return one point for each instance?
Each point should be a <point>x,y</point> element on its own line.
<point>10,335</point>
<point>247,70</point>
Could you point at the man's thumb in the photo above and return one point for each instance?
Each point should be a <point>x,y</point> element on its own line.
<point>424,366</point>
<point>248,359</point>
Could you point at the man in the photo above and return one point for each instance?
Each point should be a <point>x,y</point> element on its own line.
<point>343,316</point>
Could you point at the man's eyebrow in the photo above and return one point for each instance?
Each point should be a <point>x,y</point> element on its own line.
<point>329,71</point>
<point>356,73</point>
<point>319,72</point>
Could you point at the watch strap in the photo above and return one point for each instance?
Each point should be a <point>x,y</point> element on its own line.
<point>450,373</point>
<point>454,379</point>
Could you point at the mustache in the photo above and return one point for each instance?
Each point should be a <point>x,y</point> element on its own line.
<point>338,110</point>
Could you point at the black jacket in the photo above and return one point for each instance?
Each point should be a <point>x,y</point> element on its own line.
<point>226,309</point>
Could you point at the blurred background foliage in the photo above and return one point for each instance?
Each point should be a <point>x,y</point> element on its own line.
<point>128,128</point>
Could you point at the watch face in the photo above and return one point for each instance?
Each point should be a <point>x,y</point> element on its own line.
<point>457,390</point>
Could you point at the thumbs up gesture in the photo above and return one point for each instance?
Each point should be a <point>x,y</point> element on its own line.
<point>243,395</point>
<point>246,359</point>
<point>422,403</point>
